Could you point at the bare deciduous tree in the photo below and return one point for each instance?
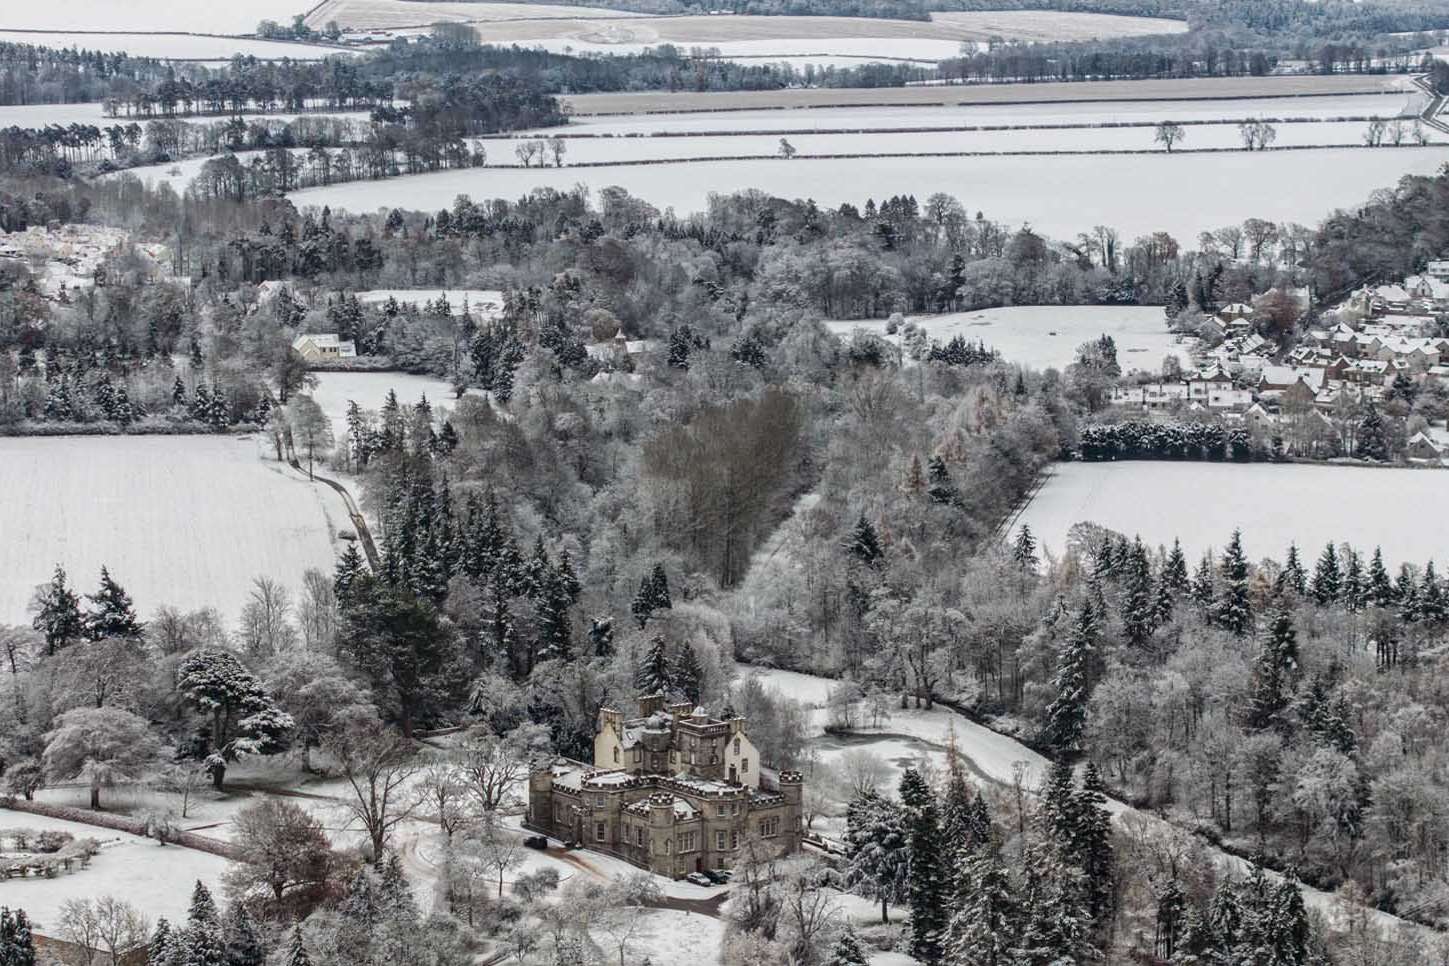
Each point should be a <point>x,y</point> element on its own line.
<point>377,763</point>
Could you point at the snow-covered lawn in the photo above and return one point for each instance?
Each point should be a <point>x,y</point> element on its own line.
<point>237,17</point>
<point>1201,504</point>
<point>156,879</point>
<point>1040,336</point>
<point>1047,25</point>
<point>384,14</point>
<point>181,520</point>
<point>369,390</point>
<point>1058,196</point>
<point>672,937</point>
<point>175,46</point>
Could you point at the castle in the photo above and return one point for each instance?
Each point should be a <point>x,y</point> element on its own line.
<point>672,790</point>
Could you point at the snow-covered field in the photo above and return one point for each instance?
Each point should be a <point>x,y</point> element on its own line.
<point>174,46</point>
<point>237,17</point>
<point>157,879</point>
<point>674,936</point>
<point>182,520</point>
<point>479,301</point>
<point>1058,196</point>
<point>1217,136</point>
<point>369,389</point>
<point>1390,104</point>
<point>1201,504</point>
<point>1039,336</point>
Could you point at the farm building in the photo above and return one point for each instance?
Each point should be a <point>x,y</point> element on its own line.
<point>323,347</point>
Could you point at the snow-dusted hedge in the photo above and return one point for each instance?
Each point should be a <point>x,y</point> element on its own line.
<point>1141,440</point>
<point>120,823</point>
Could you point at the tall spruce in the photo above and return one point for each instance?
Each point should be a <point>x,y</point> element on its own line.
<point>1327,577</point>
<point>864,545</point>
<point>655,675</point>
<point>1277,660</point>
<point>1066,714</point>
<point>57,613</point>
<point>1174,569</point>
<point>1092,843</point>
<point>984,923</point>
<point>1380,586</point>
<point>1233,609</point>
<point>1293,575</point>
<point>877,850</point>
<point>927,889</point>
<point>1023,549</point>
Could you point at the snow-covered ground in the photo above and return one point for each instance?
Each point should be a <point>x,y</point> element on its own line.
<point>481,303</point>
<point>670,936</point>
<point>1039,336</point>
<point>384,14</point>
<point>237,17</point>
<point>188,521</point>
<point>1216,136</point>
<point>157,879</point>
<point>798,51</point>
<point>1057,196</point>
<point>1323,107</point>
<point>1201,504</point>
<point>369,390</point>
<point>174,46</point>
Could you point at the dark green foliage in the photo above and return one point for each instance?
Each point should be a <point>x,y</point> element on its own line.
<point>58,615</point>
<point>864,545</point>
<point>17,943</point>
<point>111,613</point>
<point>655,674</point>
<point>1277,662</point>
<point>1066,715</point>
<point>1233,608</point>
<point>927,887</point>
<point>1327,578</point>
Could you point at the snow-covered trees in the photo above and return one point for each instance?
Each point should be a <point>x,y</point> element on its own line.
<point>1233,608</point>
<point>102,747</point>
<point>111,613</point>
<point>1066,715</point>
<point>57,613</point>
<point>656,671</point>
<point>926,872</point>
<point>280,848</point>
<point>243,719</point>
<point>378,764</point>
<point>17,943</point>
<point>877,850</point>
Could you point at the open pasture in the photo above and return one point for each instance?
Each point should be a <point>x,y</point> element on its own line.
<point>175,46</point>
<point>1058,196</point>
<point>41,115</point>
<point>1202,503</point>
<point>237,17</point>
<point>187,521</point>
<point>334,390</point>
<point>1216,88</point>
<point>1042,336</point>
<point>1322,108</point>
<point>395,14</point>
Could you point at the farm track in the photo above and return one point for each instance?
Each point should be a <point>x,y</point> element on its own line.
<point>364,535</point>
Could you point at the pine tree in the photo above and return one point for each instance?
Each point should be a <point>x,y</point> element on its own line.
<point>1293,575</point>
<point>1327,578</point>
<point>1355,587</point>
<point>1276,661</point>
<point>1234,610</point>
<point>942,488</point>
<point>1092,843</point>
<point>17,941</point>
<point>1373,437</point>
<point>58,615</point>
<point>347,577</point>
<point>601,636</point>
<point>689,673</point>
<point>659,598</point>
<point>955,801</point>
<point>1067,713</point>
<point>111,613</point>
<point>1058,807</point>
<point>243,947</point>
<point>159,952</point>
<point>1023,549</point>
<point>643,605</point>
<point>1163,602</point>
<point>864,546</point>
<point>1174,570</point>
<point>555,626</point>
<point>1055,924</point>
<point>1431,604</point>
<point>297,953</point>
<point>927,878</point>
<point>654,675</point>
<point>1137,600</point>
<point>178,392</point>
<point>877,850</point>
<point>203,943</point>
<point>1203,589</point>
<point>1406,593</point>
<point>983,928</point>
<point>1380,587</point>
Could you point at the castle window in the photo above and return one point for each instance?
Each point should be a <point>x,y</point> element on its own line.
<point>638,756</point>
<point>735,839</point>
<point>770,827</point>
<point>737,746</point>
<point>616,754</point>
<point>639,835</point>
<point>599,831</point>
<point>744,765</point>
<point>719,840</point>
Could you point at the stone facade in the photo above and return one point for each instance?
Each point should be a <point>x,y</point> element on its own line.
<point>673,791</point>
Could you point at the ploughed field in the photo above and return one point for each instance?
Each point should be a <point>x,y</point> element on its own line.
<point>1202,503</point>
<point>187,521</point>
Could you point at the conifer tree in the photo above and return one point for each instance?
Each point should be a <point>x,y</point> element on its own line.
<point>926,888</point>
<point>1380,587</point>
<point>1092,843</point>
<point>58,615</point>
<point>297,951</point>
<point>1023,549</point>
<point>17,941</point>
<point>1430,599</point>
<point>111,613</point>
<point>178,392</point>
<point>159,951</point>
<point>1276,661</point>
<point>1355,586</point>
<point>877,850</point>
<point>689,673</point>
<point>1327,578</point>
<point>655,675</point>
<point>347,577</point>
<point>955,801</point>
<point>203,943</point>
<point>942,488</point>
<point>243,947</point>
<point>1055,926</point>
<point>601,636</point>
<point>1406,593</point>
<point>1234,610</point>
<point>643,605</point>
<point>1137,599</point>
<point>983,927</point>
<point>555,626</point>
<point>1067,713</point>
<point>864,545</point>
<point>1373,438</point>
<point>1293,575</point>
<point>1163,602</point>
<point>1058,808</point>
<point>1203,589</point>
<point>1174,569</point>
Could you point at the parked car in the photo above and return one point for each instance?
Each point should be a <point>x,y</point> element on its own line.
<point>717,876</point>
<point>539,842</point>
<point>699,879</point>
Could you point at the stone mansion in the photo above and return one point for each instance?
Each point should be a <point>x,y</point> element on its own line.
<point>672,790</point>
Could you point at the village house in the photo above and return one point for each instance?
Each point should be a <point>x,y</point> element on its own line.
<point>1438,270</point>
<point>323,347</point>
<point>672,790</point>
<point>1421,446</point>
